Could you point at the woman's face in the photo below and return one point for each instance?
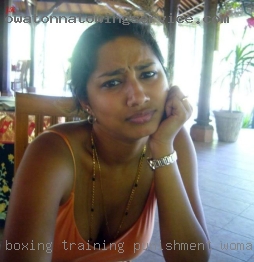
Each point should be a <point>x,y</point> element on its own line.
<point>128,89</point>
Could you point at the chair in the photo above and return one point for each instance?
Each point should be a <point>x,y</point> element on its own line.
<point>35,113</point>
<point>22,67</point>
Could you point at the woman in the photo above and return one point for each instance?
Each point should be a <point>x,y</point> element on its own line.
<point>84,191</point>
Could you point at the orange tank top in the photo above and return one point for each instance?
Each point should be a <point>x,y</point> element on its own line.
<point>70,246</point>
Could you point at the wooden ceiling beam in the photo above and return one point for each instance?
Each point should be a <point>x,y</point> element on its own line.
<point>199,7</point>
<point>184,5</point>
<point>71,1</point>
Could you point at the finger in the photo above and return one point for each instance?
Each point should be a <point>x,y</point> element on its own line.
<point>176,107</point>
<point>176,91</point>
<point>184,98</point>
<point>181,100</point>
<point>186,103</point>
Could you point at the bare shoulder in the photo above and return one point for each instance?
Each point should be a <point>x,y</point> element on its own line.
<point>49,157</point>
<point>43,181</point>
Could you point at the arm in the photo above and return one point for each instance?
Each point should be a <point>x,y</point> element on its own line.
<point>43,181</point>
<point>183,232</point>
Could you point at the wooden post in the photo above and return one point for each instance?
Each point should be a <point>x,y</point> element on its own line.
<point>170,13</point>
<point>32,53</point>
<point>5,64</point>
<point>202,131</point>
<point>31,11</point>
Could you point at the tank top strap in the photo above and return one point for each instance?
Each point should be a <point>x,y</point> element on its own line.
<point>70,148</point>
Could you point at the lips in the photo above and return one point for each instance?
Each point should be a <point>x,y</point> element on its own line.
<point>141,117</point>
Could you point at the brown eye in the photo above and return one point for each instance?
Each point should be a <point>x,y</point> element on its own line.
<point>111,83</point>
<point>148,74</point>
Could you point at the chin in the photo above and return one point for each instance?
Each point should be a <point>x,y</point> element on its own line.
<point>143,130</point>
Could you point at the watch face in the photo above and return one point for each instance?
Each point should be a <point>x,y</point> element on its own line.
<point>151,163</point>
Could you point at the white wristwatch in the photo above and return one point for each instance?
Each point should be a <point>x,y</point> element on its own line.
<point>164,161</point>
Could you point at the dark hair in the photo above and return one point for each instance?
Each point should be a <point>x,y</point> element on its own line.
<point>84,57</point>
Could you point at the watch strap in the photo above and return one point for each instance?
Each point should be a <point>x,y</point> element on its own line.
<point>164,161</point>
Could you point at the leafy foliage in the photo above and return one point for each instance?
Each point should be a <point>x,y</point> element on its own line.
<point>241,60</point>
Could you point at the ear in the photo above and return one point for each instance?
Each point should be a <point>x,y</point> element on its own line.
<point>86,107</point>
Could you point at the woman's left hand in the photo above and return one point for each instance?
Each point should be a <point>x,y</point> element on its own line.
<point>177,110</point>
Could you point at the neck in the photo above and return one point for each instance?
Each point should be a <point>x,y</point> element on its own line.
<point>117,151</point>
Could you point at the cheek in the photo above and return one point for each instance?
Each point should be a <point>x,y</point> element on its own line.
<point>161,92</point>
<point>105,105</point>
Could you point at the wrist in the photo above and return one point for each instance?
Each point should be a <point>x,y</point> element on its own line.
<point>161,162</point>
<point>159,149</point>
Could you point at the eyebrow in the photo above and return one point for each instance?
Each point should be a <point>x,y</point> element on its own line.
<point>122,70</point>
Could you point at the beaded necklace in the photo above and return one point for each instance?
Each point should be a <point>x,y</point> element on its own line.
<point>95,159</point>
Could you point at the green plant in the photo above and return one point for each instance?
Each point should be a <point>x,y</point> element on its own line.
<point>229,7</point>
<point>241,60</point>
<point>247,121</point>
<point>247,118</point>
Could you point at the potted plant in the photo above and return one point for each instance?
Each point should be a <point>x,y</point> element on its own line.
<point>241,61</point>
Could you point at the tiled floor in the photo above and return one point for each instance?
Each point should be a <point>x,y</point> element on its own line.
<point>226,181</point>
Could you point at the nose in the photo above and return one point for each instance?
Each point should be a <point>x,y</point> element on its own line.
<point>135,93</point>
